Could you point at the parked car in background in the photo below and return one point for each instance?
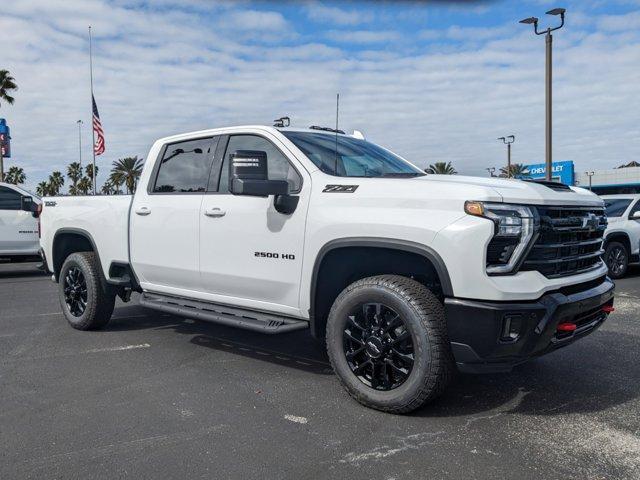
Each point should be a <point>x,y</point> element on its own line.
<point>19,230</point>
<point>622,237</point>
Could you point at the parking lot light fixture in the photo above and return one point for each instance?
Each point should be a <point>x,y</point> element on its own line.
<point>508,141</point>
<point>549,42</point>
<point>589,174</point>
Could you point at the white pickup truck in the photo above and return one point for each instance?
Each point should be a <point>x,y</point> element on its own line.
<point>19,239</point>
<point>407,276</point>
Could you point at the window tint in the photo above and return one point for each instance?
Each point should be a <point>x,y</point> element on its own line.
<point>279,167</point>
<point>9,199</point>
<point>635,208</point>
<point>615,207</point>
<point>350,157</point>
<point>185,166</point>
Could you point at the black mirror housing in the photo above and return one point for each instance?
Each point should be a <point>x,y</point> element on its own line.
<point>27,204</point>
<point>248,175</point>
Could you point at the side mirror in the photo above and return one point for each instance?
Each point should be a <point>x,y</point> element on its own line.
<point>248,175</point>
<point>27,204</point>
<point>636,215</point>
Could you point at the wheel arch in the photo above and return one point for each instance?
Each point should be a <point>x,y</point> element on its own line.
<point>71,240</point>
<point>427,263</point>
<point>618,236</point>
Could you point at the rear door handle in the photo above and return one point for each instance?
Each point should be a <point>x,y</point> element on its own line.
<point>143,210</point>
<point>214,212</point>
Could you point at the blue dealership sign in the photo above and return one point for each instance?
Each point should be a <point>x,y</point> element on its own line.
<point>562,172</point>
<point>5,138</point>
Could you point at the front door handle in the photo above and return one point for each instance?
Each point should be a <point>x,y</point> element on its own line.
<point>143,210</point>
<point>214,212</point>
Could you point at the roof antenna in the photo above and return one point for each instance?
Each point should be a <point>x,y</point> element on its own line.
<point>335,172</point>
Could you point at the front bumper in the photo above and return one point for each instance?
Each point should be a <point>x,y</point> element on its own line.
<point>495,336</point>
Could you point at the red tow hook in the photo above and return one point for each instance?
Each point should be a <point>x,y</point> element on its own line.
<point>567,327</point>
<point>608,309</point>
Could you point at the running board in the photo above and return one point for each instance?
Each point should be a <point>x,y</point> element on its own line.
<point>230,316</point>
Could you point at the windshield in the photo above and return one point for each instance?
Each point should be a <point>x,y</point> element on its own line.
<point>352,157</point>
<point>615,207</point>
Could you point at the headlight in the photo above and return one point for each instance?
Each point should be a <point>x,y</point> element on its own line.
<point>514,227</point>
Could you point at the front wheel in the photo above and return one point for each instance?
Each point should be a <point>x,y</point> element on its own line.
<point>387,342</point>
<point>86,302</point>
<point>616,257</point>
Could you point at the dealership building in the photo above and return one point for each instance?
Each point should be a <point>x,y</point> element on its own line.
<point>603,182</point>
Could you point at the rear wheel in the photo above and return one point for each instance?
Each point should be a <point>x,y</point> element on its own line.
<point>387,342</point>
<point>616,257</point>
<point>86,302</point>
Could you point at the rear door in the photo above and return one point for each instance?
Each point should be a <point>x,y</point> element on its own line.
<point>250,254</point>
<point>165,218</point>
<point>18,229</point>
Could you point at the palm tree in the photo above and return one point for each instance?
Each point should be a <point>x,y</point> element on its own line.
<point>129,170</point>
<point>116,179</point>
<point>15,175</point>
<point>441,168</point>
<point>84,186</point>
<point>7,84</point>
<point>42,189</point>
<point>518,170</point>
<point>89,171</point>
<point>74,172</point>
<point>56,181</point>
<point>108,188</point>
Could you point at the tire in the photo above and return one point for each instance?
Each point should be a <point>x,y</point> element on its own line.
<point>81,282</point>
<point>616,256</point>
<point>423,319</point>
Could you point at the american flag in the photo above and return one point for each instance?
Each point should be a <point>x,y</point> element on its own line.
<point>98,147</point>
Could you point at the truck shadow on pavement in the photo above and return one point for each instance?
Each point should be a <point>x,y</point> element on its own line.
<point>591,375</point>
<point>294,350</point>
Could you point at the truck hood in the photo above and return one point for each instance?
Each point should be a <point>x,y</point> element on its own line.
<point>519,191</point>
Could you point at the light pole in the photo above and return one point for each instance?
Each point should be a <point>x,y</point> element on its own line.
<point>589,174</point>
<point>508,141</point>
<point>549,42</point>
<point>79,122</point>
<point>491,170</point>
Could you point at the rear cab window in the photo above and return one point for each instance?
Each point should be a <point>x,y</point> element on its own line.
<point>184,167</point>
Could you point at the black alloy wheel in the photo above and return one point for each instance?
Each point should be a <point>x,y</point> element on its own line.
<point>617,259</point>
<point>75,291</point>
<point>378,346</point>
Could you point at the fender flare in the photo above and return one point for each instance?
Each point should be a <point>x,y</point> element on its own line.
<point>380,242</point>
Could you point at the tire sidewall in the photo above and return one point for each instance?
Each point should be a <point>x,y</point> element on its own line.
<point>83,321</point>
<point>337,320</point>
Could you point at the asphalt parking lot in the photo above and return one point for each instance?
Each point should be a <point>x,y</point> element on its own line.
<point>158,396</point>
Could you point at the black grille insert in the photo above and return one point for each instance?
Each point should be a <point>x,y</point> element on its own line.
<point>569,241</point>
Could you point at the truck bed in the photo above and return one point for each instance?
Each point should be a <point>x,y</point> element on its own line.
<point>103,219</point>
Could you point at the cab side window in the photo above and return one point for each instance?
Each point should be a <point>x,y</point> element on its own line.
<point>279,167</point>
<point>10,199</point>
<point>634,209</point>
<point>185,166</point>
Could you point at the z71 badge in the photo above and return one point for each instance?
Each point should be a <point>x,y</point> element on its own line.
<point>340,188</point>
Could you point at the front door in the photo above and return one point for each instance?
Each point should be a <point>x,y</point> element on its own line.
<point>165,218</point>
<point>18,229</point>
<point>250,254</point>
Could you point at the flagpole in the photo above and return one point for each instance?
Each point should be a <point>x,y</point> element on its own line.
<point>93,132</point>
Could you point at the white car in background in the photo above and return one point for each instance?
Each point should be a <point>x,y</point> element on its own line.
<point>622,237</point>
<point>19,225</point>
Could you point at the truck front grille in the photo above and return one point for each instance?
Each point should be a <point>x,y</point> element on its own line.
<point>569,241</point>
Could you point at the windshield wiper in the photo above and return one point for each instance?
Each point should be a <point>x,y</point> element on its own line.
<point>403,174</point>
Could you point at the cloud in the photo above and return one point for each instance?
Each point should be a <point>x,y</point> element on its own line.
<point>337,16</point>
<point>363,36</point>
<point>161,71</point>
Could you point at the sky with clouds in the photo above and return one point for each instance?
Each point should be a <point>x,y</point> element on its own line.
<point>432,80</point>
